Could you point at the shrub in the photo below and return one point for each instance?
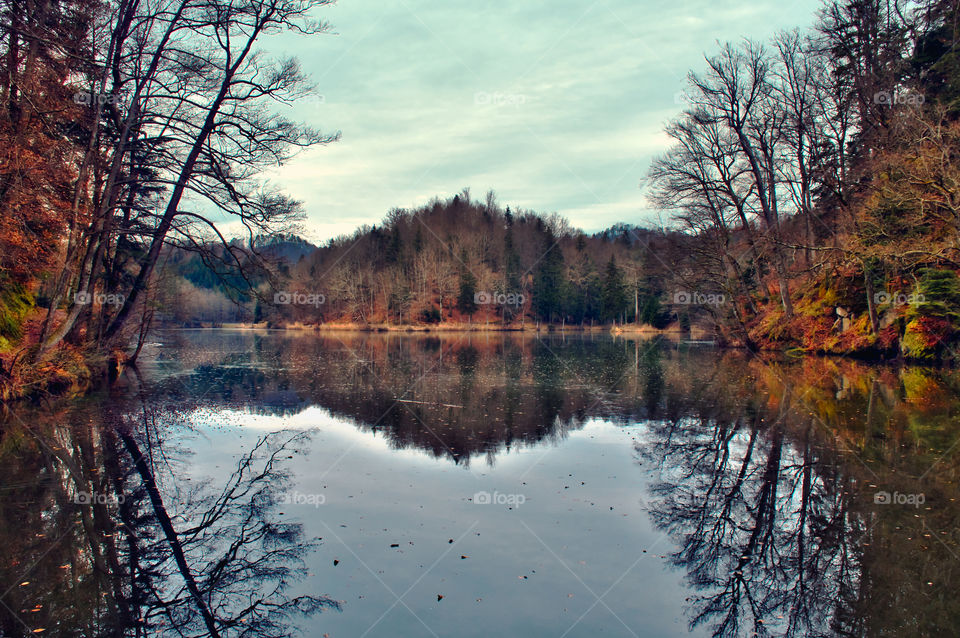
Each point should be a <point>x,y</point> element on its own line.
<point>430,315</point>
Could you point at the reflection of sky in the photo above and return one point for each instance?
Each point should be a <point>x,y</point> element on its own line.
<point>323,425</point>
<point>558,106</point>
<point>584,506</point>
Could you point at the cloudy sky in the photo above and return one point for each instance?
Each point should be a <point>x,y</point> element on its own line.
<point>556,105</point>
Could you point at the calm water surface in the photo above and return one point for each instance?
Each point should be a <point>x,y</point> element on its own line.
<point>264,484</point>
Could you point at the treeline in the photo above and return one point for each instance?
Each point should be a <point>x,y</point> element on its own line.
<point>813,192</point>
<point>462,260</point>
<point>458,260</point>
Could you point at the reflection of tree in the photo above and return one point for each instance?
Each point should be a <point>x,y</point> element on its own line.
<point>146,556</point>
<point>455,397</point>
<point>766,477</point>
<point>762,529</point>
<point>762,478</point>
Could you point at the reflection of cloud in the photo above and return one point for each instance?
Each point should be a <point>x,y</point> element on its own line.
<point>314,418</point>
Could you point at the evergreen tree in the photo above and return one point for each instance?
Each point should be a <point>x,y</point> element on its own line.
<point>593,296</point>
<point>511,279</point>
<point>652,312</point>
<point>418,241</point>
<point>614,293</point>
<point>549,285</point>
<point>395,247</point>
<point>511,263</point>
<point>466,300</point>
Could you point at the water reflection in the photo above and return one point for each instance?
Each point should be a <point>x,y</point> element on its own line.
<point>769,477</point>
<point>774,498</point>
<point>102,536</point>
<point>457,397</point>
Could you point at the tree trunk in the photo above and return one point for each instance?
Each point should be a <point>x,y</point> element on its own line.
<point>871,301</point>
<point>148,263</point>
<point>169,531</point>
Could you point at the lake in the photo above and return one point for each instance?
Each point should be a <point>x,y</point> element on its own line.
<point>244,483</point>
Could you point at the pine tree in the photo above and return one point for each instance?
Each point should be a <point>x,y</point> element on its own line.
<point>395,246</point>
<point>550,285</point>
<point>614,293</point>
<point>466,300</point>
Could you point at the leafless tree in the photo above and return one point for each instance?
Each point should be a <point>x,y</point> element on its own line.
<point>182,128</point>
<point>735,93</point>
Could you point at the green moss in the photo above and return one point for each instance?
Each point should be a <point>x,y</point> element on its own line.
<point>939,291</point>
<point>15,303</point>
<point>916,343</point>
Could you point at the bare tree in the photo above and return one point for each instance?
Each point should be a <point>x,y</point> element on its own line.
<point>735,92</point>
<point>187,106</point>
<point>704,180</point>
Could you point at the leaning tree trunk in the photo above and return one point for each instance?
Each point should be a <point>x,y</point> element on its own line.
<point>871,300</point>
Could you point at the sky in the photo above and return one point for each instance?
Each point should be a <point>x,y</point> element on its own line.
<point>558,106</point>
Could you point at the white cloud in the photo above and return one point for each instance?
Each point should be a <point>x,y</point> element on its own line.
<point>577,98</point>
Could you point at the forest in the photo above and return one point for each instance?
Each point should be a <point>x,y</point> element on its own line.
<point>809,199</point>
<point>454,262</point>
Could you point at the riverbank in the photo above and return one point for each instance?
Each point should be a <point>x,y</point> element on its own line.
<point>528,327</point>
<point>69,371</point>
<point>66,371</point>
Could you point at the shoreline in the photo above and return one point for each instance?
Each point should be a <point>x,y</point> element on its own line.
<point>71,373</point>
<point>694,333</point>
<point>698,335</point>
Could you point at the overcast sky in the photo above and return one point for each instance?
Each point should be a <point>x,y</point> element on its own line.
<point>556,105</point>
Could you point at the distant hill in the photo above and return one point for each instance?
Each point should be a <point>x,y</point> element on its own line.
<point>461,260</point>
<point>452,261</point>
<point>285,248</point>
